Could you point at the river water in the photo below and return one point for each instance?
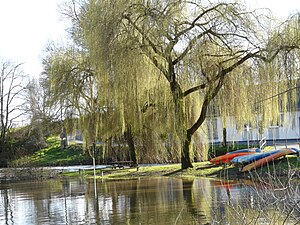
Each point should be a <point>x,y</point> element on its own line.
<point>157,201</point>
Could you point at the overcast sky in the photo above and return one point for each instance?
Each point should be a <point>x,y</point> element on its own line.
<point>27,25</point>
<point>281,9</point>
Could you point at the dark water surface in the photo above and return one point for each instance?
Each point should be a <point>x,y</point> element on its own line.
<point>146,201</point>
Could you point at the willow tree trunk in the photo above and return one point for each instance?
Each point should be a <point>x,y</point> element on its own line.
<point>129,138</point>
<point>181,126</point>
<point>183,132</point>
<point>187,153</point>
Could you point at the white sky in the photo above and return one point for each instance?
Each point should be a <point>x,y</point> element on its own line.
<point>280,8</point>
<point>27,25</point>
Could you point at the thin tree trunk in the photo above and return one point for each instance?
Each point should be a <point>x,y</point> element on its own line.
<point>129,138</point>
<point>224,137</point>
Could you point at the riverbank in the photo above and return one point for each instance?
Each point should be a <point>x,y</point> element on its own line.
<point>33,167</point>
<point>281,168</point>
<point>285,167</point>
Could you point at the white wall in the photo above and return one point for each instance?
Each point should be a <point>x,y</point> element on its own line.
<point>289,130</point>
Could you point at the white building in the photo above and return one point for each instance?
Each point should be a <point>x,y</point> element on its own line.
<point>287,130</point>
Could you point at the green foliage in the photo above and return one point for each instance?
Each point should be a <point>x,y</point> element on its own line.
<point>162,67</point>
<point>20,142</point>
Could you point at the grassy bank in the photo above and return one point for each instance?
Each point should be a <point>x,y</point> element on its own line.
<point>53,155</point>
<point>74,155</point>
<point>280,168</point>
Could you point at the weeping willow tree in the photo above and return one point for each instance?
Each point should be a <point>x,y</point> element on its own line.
<point>128,89</point>
<point>106,107</point>
<point>82,104</point>
<point>71,83</point>
<point>200,49</point>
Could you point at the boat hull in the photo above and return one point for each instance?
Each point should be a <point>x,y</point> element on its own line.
<point>229,156</point>
<point>253,157</point>
<point>268,159</point>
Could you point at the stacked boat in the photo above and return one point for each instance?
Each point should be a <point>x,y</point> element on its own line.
<point>228,157</point>
<point>253,158</point>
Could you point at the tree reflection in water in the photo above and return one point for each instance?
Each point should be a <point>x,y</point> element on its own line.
<point>144,201</point>
<point>198,207</point>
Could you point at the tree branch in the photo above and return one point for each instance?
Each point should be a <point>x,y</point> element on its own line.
<point>154,48</point>
<point>210,94</point>
<point>193,89</point>
<point>189,47</point>
<point>193,23</point>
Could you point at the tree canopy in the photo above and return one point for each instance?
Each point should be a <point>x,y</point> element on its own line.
<point>159,67</point>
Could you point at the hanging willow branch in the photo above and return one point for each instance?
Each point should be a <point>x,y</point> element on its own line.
<point>181,56</point>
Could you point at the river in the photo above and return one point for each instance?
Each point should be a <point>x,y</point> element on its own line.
<point>160,200</point>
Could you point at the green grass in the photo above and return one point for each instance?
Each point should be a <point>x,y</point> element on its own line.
<point>54,156</point>
<point>201,169</point>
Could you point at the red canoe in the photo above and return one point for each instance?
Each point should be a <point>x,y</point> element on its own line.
<point>228,157</point>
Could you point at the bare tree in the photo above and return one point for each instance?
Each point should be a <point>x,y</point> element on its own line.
<point>11,91</point>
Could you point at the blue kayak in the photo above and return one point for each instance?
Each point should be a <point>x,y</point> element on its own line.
<point>296,150</point>
<point>245,150</point>
<point>253,157</point>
